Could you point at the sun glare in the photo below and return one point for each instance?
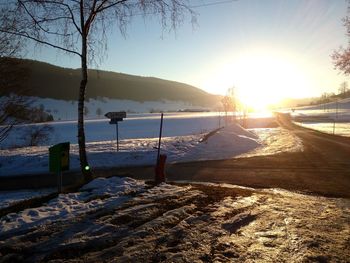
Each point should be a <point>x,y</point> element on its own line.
<point>263,78</point>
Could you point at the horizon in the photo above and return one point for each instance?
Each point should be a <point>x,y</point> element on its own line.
<point>268,107</point>
<point>252,46</point>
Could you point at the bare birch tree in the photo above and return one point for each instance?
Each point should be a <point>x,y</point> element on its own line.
<point>79,27</point>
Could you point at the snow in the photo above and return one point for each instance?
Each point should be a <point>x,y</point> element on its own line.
<point>110,186</point>
<point>322,117</point>
<point>339,111</point>
<point>9,198</point>
<point>338,128</point>
<point>67,110</point>
<point>224,144</point>
<point>135,126</point>
<point>227,143</point>
<point>101,193</point>
<point>274,141</point>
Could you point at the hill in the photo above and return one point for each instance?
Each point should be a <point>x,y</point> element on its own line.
<point>44,80</point>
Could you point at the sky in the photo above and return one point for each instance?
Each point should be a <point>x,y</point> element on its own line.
<point>266,50</point>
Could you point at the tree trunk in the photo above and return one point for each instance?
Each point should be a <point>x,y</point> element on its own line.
<point>84,165</point>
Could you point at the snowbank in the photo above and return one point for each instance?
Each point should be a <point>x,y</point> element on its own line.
<point>8,198</point>
<point>226,143</point>
<point>101,193</point>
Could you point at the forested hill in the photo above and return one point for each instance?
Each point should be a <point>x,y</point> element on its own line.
<point>48,81</point>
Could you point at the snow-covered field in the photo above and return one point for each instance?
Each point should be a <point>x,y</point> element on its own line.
<point>125,220</point>
<point>182,133</point>
<point>339,128</point>
<point>133,127</point>
<point>67,110</point>
<point>331,117</point>
<point>228,142</point>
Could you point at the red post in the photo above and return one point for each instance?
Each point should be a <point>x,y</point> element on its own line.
<point>160,169</point>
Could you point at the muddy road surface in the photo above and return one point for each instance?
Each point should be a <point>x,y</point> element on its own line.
<point>186,223</point>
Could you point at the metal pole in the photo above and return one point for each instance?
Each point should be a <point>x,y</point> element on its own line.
<point>117,131</point>
<point>160,136</point>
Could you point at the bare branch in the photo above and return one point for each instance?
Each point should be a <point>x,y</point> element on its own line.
<point>101,8</point>
<point>71,17</point>
<point>25,35</point>
<point>341,57</point>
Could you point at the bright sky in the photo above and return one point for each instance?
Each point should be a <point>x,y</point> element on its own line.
<point>266,49</point>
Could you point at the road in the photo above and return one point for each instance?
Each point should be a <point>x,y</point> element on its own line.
<point>323,168</point>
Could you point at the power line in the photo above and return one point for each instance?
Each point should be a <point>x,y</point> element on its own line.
<point>213,3</point>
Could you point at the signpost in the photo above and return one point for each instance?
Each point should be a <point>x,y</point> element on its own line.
<point>116,117</point>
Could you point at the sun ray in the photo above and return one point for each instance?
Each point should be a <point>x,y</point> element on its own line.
<point>262,78</point>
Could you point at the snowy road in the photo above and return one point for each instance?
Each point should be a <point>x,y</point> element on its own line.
<point>123,220</point>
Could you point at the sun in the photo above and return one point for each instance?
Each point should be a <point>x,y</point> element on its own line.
<point>265,79</point>
<point>262,78</point>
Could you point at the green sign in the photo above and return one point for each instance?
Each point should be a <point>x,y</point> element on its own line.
<point>59,157</point>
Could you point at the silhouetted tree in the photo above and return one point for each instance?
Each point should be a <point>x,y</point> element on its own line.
<point>13,108</point>
<point>229,102</point>
<point>38,134</point>
<point>86,111</point>
<point>98,112</point>
<point>343,89</point>
<point>13,103</point>
<point>79,27</point>
<point>341,57</point>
